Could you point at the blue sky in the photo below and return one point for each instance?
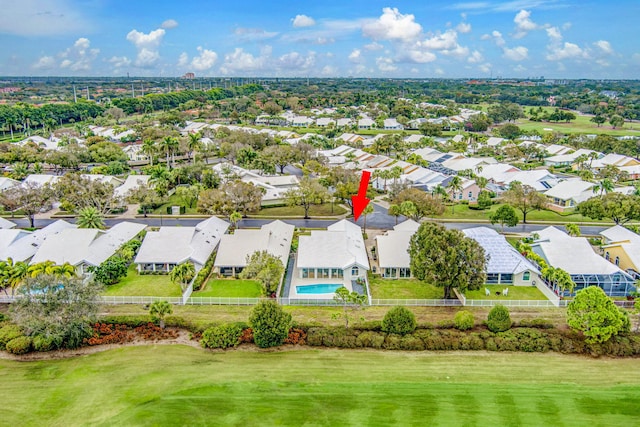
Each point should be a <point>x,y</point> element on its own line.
<point>422,39</point>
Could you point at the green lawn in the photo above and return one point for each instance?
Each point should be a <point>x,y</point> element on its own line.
<point>178,385</point>
<point>144,285</point>
<point>515,293</point>
<point>402,289</point>
<point>314,210</point>
<point>462,211</point>
<point>174,200</point>
<point>581,124</point>
<point>233,288</point>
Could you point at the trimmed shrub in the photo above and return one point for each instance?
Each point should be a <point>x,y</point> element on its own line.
<point>43,343</point>
<point>3,317</point>
<point>7,333</point>
<point>499,319</point>
<point>535,323</point>
<point>19,345</point>
<point>464,320</point>
<point>270,324</point>
<point>370,339</point>
<point>399,320</point>
<point>223,336</point>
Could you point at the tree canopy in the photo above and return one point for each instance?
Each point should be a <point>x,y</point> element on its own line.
<point>594,314</point>
<point>524,198</point>
<point>447,258</point>
<point>621,208</point>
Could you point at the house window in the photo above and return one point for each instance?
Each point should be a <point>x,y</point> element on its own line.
<point>617,260</point>
<point>312,273</point>
<point>305,273</point>
<point>355,271</point>
<point>493,278</point>
<point>405,272</point>
<point>336,272</point>
<point>460,196</point>
<point>323,273</point>
<point>506,278</point>
<point>470,194</point>
<point>607,256</point>
<point>526,276</point>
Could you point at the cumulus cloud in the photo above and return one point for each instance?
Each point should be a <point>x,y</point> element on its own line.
<point>446,40</point>
<point>518,53</point>
<point>241,61</point>
<point>45,63</point>
<point>356,56</point>
<point>373,46</point>
<point>475,57</point>
<point>301,21</point>
<point>604,46</point>
<point>183,59</point>
<point>524,24</point>
<point>205,60</point>
<point>169,24</point>
<point>385,64</point>
<point>463,28</point>
<point>329,70</point>
<point>559,50</point>
<point>119,61</point>
<point>554,34</point>
<point>147,46</point>
<point>392,25</point>
<point>80,56</point>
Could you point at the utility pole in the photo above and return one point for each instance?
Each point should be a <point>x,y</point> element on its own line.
<point>87,93</point>
<point>75,97</point>
<point>133,91</point>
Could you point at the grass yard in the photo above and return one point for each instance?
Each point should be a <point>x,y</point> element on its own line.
<point>233,288</point>
<point>146,285</point>
<point>515,293</point>
<point>581,124</point>
<point>178,385</point>
<point>402,289</point>
<point>314,210</point>
<point>174,200</point>
<point>462,211</point>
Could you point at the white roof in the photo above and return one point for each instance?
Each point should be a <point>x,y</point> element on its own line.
<point>618,233</point>
<point>108,243</point>
<point>70,245</point>
<point>20,245</point>
<point>467,163</point>
<point>40,179</point>
<point>502,257</point>
<point>6,183</point>
<point>6,224</point>
<point>631,170</point>
<point>340,246</point>
<point>568,158</point>
<point>47,144</point>
<point>494,141</point>
<point>394,245</point>
<point>176,245</point>
<point>413,138</point>
<point>132,182</point>
<point>611,159</point>
<point>236,248</point>
<point>105,179</point>
<point>574,188</point>
<point>324,121</point>
<point>572,254</point>
<point>556,150</point>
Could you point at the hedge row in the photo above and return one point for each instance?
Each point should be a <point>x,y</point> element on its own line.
<point>518,339</point>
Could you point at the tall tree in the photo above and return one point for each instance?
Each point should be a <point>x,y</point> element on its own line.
<point>183,273</point>
<point>395,211</point>
<point>90,217</point>
<point>309,192</point>
<point>504,215</point>
<point>447,258</point>
<point>30,198</point>
<point>621,208</point>
<point>454,186</point>
<point>594,314</point>
<point>265,268</point>
<point>425,204</point>
<point>350,301</point>
<point>524,198</point>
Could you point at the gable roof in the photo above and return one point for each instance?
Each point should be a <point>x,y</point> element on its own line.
<point>394,245</point>
<point>21,245</point>
<point>6,224</point>
<point>574,188</point>
<point>340,246</point>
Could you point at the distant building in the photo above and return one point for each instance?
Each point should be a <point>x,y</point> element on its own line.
<point>189,76</point>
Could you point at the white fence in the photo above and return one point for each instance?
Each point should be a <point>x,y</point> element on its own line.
<point>419,302</point>
<point>508,303</point>
<point>114,300</point>
<point>221,301</point>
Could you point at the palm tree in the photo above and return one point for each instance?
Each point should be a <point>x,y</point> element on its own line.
<point>573,229</point>
<point>169,144</point>
<point>182,273</point>
<point>158,310</point>
<point>90,217</point>
<point>66,270</point>
<point>149,148</point>
<point>45,267</point>
<point>193,144</point>
<point>16,274</point>
<point>455,186</point>
<point>396,211</point>
<point>603,186</point>
<point>367,210</point>
<point>409,209</point>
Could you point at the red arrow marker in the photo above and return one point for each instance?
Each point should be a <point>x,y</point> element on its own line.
<point>360,201</point>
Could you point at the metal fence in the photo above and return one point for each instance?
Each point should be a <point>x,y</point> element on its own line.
<point>508,303</point>
<point>419,302</point>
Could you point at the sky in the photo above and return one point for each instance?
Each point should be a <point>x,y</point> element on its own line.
<point>329,38</point>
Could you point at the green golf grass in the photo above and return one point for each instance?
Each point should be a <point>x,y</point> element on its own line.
<point>178,385</point>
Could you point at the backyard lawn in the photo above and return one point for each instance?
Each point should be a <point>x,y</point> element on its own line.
<point>174,200</point>
<point>232,288</point>
<point>402,289</point>
<point>515,293</point>
<point>146,285</point>
<point>314,210</point>
<point>179,385</point>
<point>462,211</point>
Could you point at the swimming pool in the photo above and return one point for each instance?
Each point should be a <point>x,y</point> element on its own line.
<point>320,288</point>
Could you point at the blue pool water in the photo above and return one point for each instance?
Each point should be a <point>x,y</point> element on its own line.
<point>321,288</point>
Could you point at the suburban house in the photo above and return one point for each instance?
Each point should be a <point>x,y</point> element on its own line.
<point>45,143</point>
<point>569,193</point>
<point>392,124</point>
<point>135,153</point>
<point>335,253</point>
<point>133,182</point>
<point>236,249</point>
<point>41,179</point>
<point>350,138</point>
<point>5,224</point>
<point>343,123</point>
<point>392,250</point>
<point>323,122</point>
<point>111,133</point>
<point>170,246</point>
<point>622,247</point>
<point>85,247</point>
<point>21,245</point>
<point>633,171</point>
<point>612,159</point>
<point>494,141</point>
<point>505,265</point>
<point>104,179</point>
<point>469,191</point>
<point>576,256</point>
<point>567,159</point>
<point>557,150</point>
<point>7,183</point>
<point>366,124</point>
<point>302,121</point>
<point>193,127</point>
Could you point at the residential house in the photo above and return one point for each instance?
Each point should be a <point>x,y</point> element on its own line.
<point>7,183</point>
<point>505,265</point>
<point>633,171</point>
<point>343,123</point>
<point>557,150</point>
<point>612,159</point>
<point>41,179</point>
<point>350,138</point>
<point>622,247</point>
<point>494,141</point>
<point>85,247</point>
<point>586,268</point>
<point>162,250</point>
<point>135,153</point>
<point>5,224</point>
<point>46,143</point>
<point>469,191</point>
<point>193,127</point>
<point>335,253</point>
<point>415,123</point>
<point>366,123</point>
<point>302,121</point>
<point>21,245</point>
<point>392,250</point>
<point>392,124</point>
<point>569,193</point>
<point>413,138</point>
<point>566,159</point>
<point>324,122</point>
<point>236,249</point>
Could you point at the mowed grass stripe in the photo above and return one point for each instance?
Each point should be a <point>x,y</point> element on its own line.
<point>177,385</point>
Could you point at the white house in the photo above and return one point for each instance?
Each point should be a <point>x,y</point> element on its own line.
<point>41,179</point>
<point>392,124</point>
<point>505,265</point>
<point>576,256</point>
<point>135,153</point>
<point>566,159</point>
<point>323,122</point>
<point>569,193</point>
<point>392,250</point>
<point>335,253</point>
<point>46,143</point>
<point>345,122</point>
<point>21,245</point>
<point>7,183</point>
<point>85,247</point>
<point>366,124</point>
<point>162,250</point>
<point>236,249</point>
<point>302,121</point>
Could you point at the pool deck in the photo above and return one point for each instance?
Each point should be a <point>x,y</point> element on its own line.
<point>296,281</point>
